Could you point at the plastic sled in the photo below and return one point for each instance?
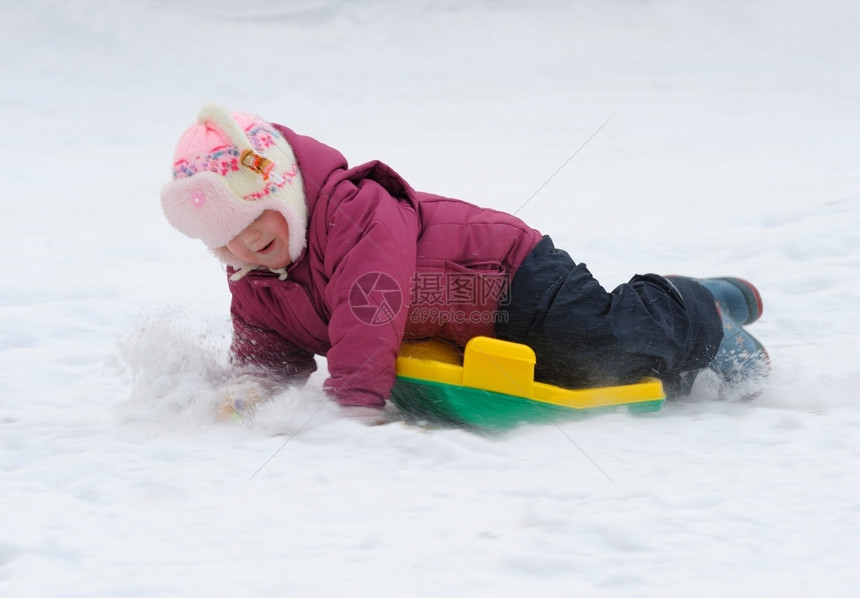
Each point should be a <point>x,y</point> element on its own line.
<point>492,386</point>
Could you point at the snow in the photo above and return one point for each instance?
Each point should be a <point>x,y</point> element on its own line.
<point>703,138</point>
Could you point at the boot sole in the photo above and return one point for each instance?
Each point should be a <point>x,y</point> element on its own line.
<point>755,306</point>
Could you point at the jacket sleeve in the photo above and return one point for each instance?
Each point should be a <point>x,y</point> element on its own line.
<point>370,258</point>
<point>254,347</point>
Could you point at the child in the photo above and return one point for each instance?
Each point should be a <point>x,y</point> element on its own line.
<point>351,262</point>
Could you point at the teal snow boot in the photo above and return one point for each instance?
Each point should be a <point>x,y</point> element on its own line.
<point>737,298</point>
<point>741,362</point>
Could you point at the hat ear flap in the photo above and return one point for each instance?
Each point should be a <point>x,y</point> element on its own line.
<point>205,207</point>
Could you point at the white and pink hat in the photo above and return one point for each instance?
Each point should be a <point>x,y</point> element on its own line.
<point>227,170</point>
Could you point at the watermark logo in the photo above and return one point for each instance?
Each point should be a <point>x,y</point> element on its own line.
<point>440,316</point>
<point>435,298</point>
<point>460,288</point>
<point>375,298</point>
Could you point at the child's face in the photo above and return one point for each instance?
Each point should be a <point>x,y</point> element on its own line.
<point>265,242</point>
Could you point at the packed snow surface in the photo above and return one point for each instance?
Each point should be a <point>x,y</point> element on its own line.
<point>696,137</point>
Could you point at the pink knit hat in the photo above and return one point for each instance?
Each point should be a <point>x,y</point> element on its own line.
<point>228,169</point>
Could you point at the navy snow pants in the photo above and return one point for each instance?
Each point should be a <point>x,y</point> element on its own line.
<point>584,336</point>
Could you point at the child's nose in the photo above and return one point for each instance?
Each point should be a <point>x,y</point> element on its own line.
<point>248,236</point>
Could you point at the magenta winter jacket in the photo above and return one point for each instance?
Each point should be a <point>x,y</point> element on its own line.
<point>383,263</point>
